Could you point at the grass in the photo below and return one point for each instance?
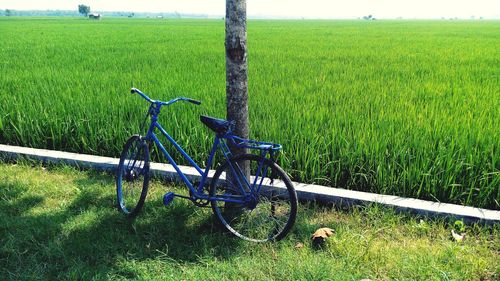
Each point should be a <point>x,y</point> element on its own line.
<point>61,224</point>
<point>409,108</point>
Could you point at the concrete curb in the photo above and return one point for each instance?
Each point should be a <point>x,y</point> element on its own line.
<point>309,192</point>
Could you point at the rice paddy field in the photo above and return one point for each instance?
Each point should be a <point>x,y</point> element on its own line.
<point>410,108</point>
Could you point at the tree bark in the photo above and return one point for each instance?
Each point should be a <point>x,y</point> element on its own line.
<point>236,68</point>
<point>237,75</point>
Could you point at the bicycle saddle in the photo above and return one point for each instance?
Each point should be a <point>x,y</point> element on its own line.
<point>219,126</point>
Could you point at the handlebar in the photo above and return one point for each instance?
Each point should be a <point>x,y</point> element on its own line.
<point>137,91</point>
<point>134,91</point>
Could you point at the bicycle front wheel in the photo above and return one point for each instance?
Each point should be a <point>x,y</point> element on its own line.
<point>270,201</point>
<point>132,176</point>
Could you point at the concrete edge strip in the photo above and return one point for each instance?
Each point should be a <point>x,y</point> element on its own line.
<point>308,192</point>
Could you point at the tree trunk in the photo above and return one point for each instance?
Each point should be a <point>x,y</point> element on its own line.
<point>236,73</point>
<point>236,67</point>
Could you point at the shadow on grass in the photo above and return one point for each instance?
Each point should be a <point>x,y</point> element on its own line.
<point>89,237</point>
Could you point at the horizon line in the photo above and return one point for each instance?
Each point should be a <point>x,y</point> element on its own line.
<point>263,16</point>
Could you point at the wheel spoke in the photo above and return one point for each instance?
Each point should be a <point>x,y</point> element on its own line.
<point>133,176</point>
<point>268,214</point>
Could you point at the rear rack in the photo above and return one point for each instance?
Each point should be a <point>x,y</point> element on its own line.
<point>253,144</point>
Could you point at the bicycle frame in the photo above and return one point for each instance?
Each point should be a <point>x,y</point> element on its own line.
<point>249,193</point>
<point>197,193</point>
<point>219,142</point>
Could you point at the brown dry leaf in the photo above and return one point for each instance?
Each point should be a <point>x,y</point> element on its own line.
<point>457,237</point>
<point>324,232</point>
<point>320,235</point>
<point>299,245</point>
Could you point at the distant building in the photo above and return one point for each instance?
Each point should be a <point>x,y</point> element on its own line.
<point>95,16</point>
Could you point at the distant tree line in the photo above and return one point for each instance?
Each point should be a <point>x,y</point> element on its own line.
<point>76,13</point>
<point>38,13</point>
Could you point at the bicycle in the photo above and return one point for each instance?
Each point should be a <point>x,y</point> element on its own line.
<point>249,193</point>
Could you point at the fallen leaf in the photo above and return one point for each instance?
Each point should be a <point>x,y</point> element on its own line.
<point>299,245</point>
<point>320,235</point>
<point>456,236</point>
<point>324,232</point>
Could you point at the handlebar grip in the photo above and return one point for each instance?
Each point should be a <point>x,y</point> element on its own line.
<point>133,90</point>
<point>197,102</point>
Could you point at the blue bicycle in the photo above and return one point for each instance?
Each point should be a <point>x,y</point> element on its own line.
<point>249,193</point>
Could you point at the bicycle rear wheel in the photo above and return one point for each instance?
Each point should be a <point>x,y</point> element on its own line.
<point>132,176</point>
<point>270,204</point>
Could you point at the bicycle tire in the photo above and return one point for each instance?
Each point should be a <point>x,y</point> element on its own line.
<point>252,222</point>
<point>132,174</point>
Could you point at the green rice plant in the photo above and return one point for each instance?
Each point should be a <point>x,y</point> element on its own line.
<point>409,108</point>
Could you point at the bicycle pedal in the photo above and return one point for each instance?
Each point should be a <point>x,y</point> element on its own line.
<point>168,198</point>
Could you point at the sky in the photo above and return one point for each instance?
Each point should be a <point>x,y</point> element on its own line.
<point>283,8</point>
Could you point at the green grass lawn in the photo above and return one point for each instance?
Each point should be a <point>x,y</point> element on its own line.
<point>58,223</point>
